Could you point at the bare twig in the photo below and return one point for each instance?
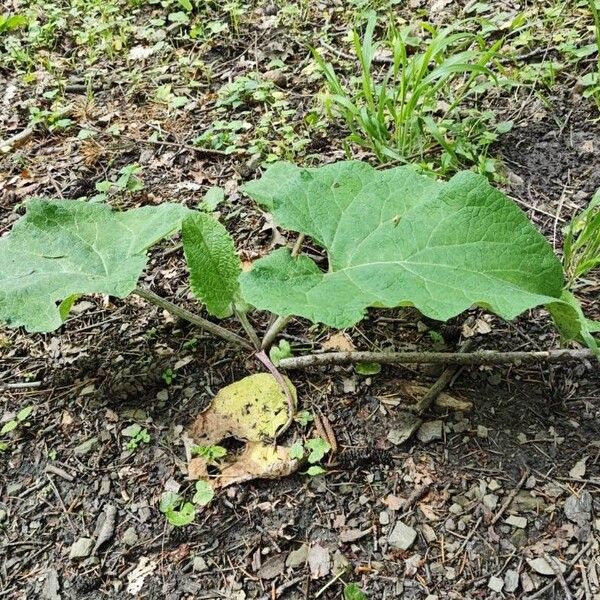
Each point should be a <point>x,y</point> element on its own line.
<point>186,315</point>
<point>487,357</point>
<point>511,497</point>
<point>542,591</point>
<point>555,566</point>
<point>20,385</point>
<point>20,138</point>
<point>440,385</point>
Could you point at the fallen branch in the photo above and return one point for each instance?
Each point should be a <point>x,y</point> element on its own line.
<point>20,138</point>
<point>482,357</point>
<point>197,320</point>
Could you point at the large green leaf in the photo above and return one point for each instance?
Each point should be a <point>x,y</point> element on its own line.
<point>396,238</point>
<point>213,263</point>
<point>66,247</point>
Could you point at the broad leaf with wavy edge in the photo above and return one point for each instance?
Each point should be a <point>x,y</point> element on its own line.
<point>397,238</point>
<point>213,263</point>
<point>62,248</point>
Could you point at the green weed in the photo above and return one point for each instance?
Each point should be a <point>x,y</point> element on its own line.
<point>581,247</point>
<point>402,112</point>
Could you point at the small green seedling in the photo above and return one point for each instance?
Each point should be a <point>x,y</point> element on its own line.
<point>297,450</point>
<point>304,417</point>
<point>128,181</point>
<point>177,512</point>
<point>137,434</point>
<point>318,448</point>
<point>204,493</point>
<point>367,368</point>
<point>581,248</point>
<point>209,453</point>
<point>19,420</point>
<point>168,376</point>
<point>353,592</point>
<point>315,470</point>
<point>282,350</point>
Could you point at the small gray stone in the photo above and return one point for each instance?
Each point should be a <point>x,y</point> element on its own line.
<point>456,509</point>
<point>430,431</point>
<point>409,423</point>
<point>297,558</point>
<point>461,426</point>
<point>525,501</point>
<point>82,548</point>
<point>514,521</point>
<point>199,564</point>
<point>495,584</point>
<point>51,588</point>
<point>579,510</point>
<point>86,447</point>
<point>482,431</point>
<point>493,485</point>
<point>402,536</point>
<point>511,581</point>
<point>384,517</point>
<point>272,568</point>
<point>527,582</point>
<point>518,538</point>
<point>2,515</point>
<point>130,537</point>
<point>542,566</point>
<point>490,501</point>
<point>428,533</point>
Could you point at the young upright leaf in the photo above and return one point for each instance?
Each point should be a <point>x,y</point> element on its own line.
<point>572,323</point>
<point>214,266</point>
<point>397,238</point>
<point>66,247</point>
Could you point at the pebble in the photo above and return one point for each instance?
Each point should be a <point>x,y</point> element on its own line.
<point>540,565</point>
<point>462,426</point>
<point>297,558</point>
<point>490,501</point>
<point>82,548</point>
<point>130,537</point>
<point>520,522</point>
<point>86,447</point>
<point>402,536</point>
<point>2,515</point>
<point>51,589</point>
<point>511,581</point>
<point>518,538</point>
<point>579,509</point>
<point>199,564</point>
<point>429,533</point>
<point>430,431</point>
<point>384,517</point>
<point>409,423</point>
<point>482,431</point>
<point>525,501</point>
<point>493,485</point>
<point>495,584</point>
<point>456,509</point>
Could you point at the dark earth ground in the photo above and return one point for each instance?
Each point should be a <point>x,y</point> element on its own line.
<point>512,456</point>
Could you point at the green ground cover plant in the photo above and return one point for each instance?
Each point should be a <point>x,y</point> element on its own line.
<point>405,109</point>
<point>393,238</point>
